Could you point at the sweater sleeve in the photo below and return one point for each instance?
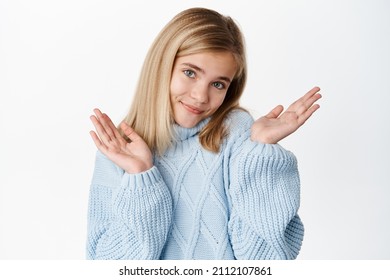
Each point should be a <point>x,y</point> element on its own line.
<point>129,214</point>
<point>264,189</point>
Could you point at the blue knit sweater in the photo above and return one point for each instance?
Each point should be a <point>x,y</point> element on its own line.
<point>240,203</point>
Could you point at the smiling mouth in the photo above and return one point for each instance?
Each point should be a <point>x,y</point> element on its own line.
<point>192,109</point>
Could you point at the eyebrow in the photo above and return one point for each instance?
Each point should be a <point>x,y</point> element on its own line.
<point>197,68</point>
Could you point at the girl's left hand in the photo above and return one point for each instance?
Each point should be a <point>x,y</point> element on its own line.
<point>275,126</point>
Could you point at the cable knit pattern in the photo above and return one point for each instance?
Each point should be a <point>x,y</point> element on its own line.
<point>240,203</point>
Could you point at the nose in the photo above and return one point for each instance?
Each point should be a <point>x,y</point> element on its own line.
<point>200,93</point>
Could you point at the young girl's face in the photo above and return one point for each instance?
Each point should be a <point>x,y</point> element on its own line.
<point>199,84</point>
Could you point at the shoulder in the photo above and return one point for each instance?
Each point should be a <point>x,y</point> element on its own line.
<point>238,125</point>
<point>238,142</point>
<point>238,121</point>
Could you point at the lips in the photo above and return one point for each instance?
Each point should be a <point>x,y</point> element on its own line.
<point>192,109</point>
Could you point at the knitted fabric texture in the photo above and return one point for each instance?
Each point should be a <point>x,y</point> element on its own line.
<point>240,203</point>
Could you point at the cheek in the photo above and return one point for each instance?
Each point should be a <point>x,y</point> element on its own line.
<point>177,87</point>
<point>217,101</point>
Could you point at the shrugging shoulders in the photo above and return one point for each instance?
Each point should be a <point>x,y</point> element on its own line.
<point>130,215</point>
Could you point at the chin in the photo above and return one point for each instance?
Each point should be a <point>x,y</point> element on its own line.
<point>188,123</point>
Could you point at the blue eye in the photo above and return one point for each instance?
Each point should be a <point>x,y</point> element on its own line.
<point>189,73</point>
<point>218,85</point>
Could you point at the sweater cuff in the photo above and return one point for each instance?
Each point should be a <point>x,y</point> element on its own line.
<point>142,181</point>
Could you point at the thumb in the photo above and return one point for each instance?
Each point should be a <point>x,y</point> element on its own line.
<point>129,132</point>
<point>275,112</point>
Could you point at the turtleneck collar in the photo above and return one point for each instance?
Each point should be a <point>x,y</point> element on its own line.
<point>183,133</point>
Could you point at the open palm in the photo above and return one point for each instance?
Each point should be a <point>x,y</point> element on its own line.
<point>133,157</point>
<point>277,124</point>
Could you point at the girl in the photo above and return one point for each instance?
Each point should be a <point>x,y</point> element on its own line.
<point>188,174</point>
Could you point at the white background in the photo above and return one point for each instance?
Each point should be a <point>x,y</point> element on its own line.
<point>61,59</point>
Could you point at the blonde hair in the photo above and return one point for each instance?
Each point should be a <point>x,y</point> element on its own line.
<point>192,31</point>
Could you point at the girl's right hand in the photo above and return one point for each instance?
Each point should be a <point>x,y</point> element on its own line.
<point>133,157</point>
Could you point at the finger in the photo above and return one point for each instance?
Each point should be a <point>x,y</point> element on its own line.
<point>305,116</point>
<point>113,128</point>
<point>98,113</point>
<point>310,93</point>
<point>104,137</point>
<point>130,132</point>
<point>304,106</point>
<point>275,112</point>
<point>97,142</point>
<point>303,100</point>
<point>105,120</point>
